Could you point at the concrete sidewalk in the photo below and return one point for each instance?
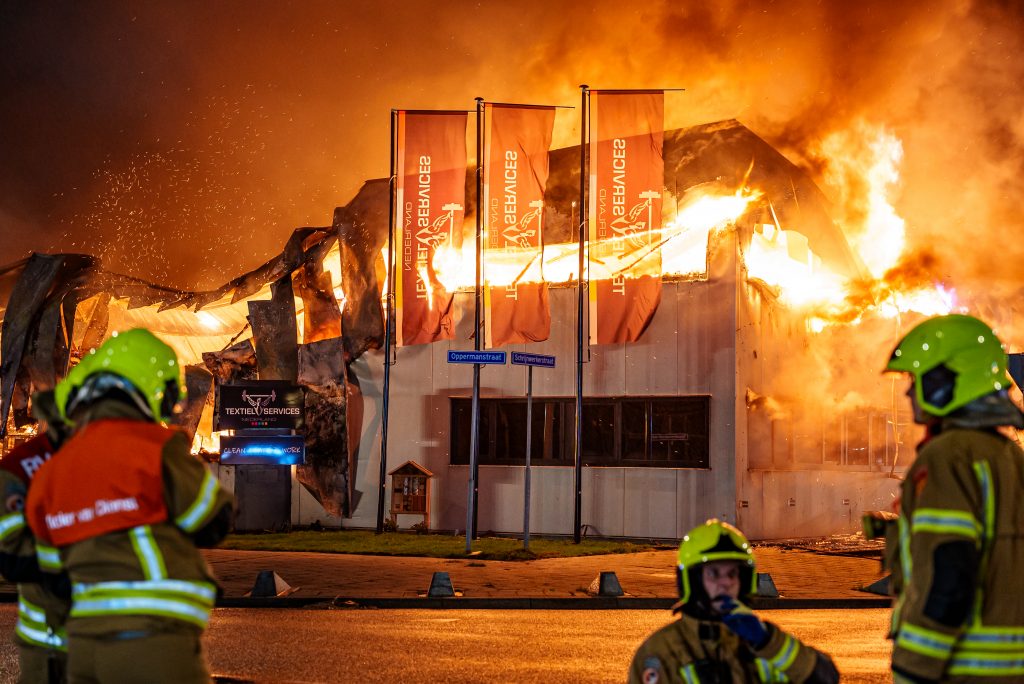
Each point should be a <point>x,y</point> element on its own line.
<point>798,575</point>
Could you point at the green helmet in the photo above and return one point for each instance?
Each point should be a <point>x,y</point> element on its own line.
<point>713,541</point>
<point>134,362</point>
<point>953,360</point>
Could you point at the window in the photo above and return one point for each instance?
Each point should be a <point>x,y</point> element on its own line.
<point>862,439</point>
<point>667,432</point>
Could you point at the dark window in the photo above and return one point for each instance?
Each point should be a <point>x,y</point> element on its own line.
<point>670,432</point>
<point>679,433</point>
<point>599,443</point>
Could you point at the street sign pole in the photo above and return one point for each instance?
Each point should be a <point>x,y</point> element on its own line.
<point>474,447</point>
<point>529,360</point>
<point>497,358</point>
<point>474,434</point>
<point>477,358</point>
<point>529,439</point>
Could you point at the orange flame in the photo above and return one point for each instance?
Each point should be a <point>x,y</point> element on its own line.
<point>680,248</point>
<point>862,169</point>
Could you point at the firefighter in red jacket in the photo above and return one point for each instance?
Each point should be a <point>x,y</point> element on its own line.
<point>123,509</point>
<point>43,599</point>
<point>959,610</point>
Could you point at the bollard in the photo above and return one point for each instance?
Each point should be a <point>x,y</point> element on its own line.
<point>269,585</point>
<point>440,586</point>
<point>881,587</point>
<point>605,584</point>
<point>765,586</point>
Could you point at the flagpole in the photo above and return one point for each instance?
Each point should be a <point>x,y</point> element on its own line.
<point>474,434</point>
<point>388,316</point>
<point>583,224</point>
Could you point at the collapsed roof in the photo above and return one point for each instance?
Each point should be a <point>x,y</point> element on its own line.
<point>53,304</point>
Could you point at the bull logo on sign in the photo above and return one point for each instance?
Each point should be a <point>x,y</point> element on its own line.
<point>259,401</point>
<point>521,234</point>
<point>631,227</point>
<point>438,232</point>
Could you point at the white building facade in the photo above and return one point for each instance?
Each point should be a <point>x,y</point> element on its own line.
<point>673,434</point>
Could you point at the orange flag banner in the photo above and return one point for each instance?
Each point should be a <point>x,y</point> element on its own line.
<point>431,201</point>
<point>516,152</point>
<point>627,169</point>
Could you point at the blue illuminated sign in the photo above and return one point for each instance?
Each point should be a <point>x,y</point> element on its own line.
<point>271,450</point>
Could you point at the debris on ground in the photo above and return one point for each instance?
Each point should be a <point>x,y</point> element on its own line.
<point>835,545</point>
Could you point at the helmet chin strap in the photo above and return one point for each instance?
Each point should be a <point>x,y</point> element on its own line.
<point>992,410</point>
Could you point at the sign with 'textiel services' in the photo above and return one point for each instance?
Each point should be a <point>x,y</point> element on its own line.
<point>260,404</point>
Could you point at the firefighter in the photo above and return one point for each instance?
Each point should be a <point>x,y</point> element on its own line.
<point>124,508</point>
<point>718,638</point>
<point>43,599</point>
<point>959,610</point>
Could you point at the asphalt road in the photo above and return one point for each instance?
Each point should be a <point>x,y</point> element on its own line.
<point>370,645</point>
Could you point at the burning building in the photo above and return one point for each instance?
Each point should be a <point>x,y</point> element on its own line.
<point>750,396</point>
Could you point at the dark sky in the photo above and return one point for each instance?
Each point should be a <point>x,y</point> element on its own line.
<point>183,141</point>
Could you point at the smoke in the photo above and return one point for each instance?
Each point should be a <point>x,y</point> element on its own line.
<point>183,142</point>
<point>942,78</point>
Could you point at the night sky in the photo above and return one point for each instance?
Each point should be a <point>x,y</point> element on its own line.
<point>183,141</point>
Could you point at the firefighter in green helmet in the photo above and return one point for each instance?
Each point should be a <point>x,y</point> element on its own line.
<point>717,638</point>
<point>959,610</point>
<point>123,509</point>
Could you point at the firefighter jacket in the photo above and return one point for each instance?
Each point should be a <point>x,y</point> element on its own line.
<point>959,611</point>
<point>121,510</point>
<point>41,613</point>
<point>689,650</point>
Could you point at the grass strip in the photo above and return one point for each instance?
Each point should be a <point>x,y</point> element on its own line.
<point>363,542</point>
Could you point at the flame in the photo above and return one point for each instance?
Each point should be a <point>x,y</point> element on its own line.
<point>680,248</point>
<point>782,258</point>
<point>927,301</point>
<point>209,443</point>
<point>863,165</point>
<point>684,251</point>
<point>862,169</point>
<point>208,320</point>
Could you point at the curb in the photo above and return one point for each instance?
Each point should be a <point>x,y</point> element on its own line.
<point>522,603</point>
<point>540,603</point>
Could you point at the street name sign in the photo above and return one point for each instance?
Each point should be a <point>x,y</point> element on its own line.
<point>481,357</point>
<point>539,360</point>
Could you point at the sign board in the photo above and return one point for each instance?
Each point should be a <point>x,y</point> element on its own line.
<point>483,357</point>
<point>274,450</point>
<point>260,404</point>
<point>539,360</point>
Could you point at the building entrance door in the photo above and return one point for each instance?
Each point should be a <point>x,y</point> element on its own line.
<point>263,495</point>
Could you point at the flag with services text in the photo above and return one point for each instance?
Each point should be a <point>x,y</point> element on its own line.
<point>516,169</point>
<point>430,200</point>
<point>626,179</point>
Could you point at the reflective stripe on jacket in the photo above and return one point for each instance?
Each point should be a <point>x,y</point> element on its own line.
<point>963,490</point>
<point>41,614</point>
<point>680,651</point>
<point>34,626</point>
<point>126,574</point>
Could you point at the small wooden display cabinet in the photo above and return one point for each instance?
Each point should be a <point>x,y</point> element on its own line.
<point>410,491</point>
